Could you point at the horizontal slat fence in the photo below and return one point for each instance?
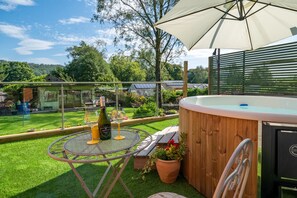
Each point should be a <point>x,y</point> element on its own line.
<point>266,71</point>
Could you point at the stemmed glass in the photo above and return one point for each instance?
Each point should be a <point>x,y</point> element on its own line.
<point>118,116</point>
<point>91,114</point>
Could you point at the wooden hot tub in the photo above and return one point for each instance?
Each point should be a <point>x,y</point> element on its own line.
<point>215,125</point>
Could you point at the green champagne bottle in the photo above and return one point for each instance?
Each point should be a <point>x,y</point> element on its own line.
<point>104,124</point>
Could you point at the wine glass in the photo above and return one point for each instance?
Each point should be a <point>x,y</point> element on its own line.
<point>90,119</point>
<point>118,116</point>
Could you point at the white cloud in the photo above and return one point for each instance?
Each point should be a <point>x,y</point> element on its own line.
<point>91,3</point>
<point>13,31</point>
<point>43,61</point>
<point>9,5</point>
<point>70,39</point>
<point>27,46</point>
<point>61,54</point>
<point>76,20</point>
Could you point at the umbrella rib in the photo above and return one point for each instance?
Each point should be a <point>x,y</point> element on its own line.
<point>248,29</point>
<point>277,6</point>
<point>257,11</point>
<point>251,9</point>
<point>192,13</point>
<point>222,17</point>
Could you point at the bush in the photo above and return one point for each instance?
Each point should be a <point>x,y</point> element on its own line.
<point>171,111</point>
<point>171,96</point>
<point>147,110</point>
<point>197,91</point>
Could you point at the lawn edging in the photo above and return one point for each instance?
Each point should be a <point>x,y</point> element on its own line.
<point>55,132</point>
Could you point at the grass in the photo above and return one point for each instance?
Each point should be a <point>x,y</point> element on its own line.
<point>45,121</point>
<point>27,171</point>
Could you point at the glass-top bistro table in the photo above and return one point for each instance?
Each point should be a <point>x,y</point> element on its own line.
<point>74,149</point>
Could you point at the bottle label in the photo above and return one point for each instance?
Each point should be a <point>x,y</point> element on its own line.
<point>105,132</point>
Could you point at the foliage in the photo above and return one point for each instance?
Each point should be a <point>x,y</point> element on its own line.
<point>171,96</point>
<point>260,76</point>
<point>126,70</point>
<point>172,151</point>
<point>18,71</point>
<point>134,22</point>
<point>41,69</point>
<point>171,111</point>
<point>198,75</point>
<point>60,73</point>
<point>172,72</point>
<point>3,66</point>
<point>197,91</point>
<point>88,64</point>
<point>146,110</point>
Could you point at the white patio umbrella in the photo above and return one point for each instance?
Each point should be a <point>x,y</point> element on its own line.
<point>233,24</point>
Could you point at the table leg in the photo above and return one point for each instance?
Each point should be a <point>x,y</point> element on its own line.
<point>117,177</point>
<point>83,184</point>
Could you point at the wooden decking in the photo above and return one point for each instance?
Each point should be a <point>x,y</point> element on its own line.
<point>159,138</point>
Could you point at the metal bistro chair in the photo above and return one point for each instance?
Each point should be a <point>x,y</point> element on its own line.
<point>236,180</point>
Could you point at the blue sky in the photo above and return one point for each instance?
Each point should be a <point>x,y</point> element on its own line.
<point>39,31</point>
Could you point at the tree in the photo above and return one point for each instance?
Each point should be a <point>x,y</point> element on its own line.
<point>87,64</point>
<point>60,73</point>
<point>3,66</point>
<point>260,76</point>
<point>134,21</point>
<point>17,71</point>
<point>198,75</point>
<point>125,69</point>
<point>173,71</point>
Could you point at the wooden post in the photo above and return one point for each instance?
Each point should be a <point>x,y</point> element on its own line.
<point>185,87</point>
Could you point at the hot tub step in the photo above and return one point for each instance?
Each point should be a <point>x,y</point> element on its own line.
<point>160,138</point>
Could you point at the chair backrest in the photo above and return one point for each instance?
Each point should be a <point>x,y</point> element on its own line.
<point>236,172</point>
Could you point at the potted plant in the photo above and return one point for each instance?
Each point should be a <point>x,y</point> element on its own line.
<point>167,159</point>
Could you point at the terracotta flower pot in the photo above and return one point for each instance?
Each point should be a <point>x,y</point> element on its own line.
<point>168,170</point>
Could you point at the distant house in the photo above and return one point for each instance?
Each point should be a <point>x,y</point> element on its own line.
<point>173,84</point>
<point>178,85</point>
<point>143,89</point>
<point>150,88</point>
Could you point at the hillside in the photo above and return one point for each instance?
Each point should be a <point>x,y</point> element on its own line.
<point>39,69</point>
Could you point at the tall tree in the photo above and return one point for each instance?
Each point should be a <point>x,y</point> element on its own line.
<point>17,71</point>
<point>60,73</point>
<point>173,71</point>
<point>125,69</point>
<point>198,75</point>
<point>3,75</point>
<point>88,64</point>
<point>134,21</point>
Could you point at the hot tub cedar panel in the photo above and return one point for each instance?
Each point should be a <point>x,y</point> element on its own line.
<point>211,140</point>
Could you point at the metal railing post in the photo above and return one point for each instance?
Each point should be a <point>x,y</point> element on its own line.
<point>117,96</point>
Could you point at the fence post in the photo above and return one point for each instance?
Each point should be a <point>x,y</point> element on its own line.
<point>185,87</point>
<point>219,70</point>
<point>243,73</point>
<point>62,105</point>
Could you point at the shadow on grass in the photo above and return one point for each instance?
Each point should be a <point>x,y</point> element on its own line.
<point>67,185</point>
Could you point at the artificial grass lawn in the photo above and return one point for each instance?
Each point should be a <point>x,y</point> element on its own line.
<point>45,121</point>
<point>27,171</point>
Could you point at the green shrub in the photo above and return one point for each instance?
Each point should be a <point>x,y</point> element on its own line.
<point>147,110</point>
<point>171,111</point>
<point>197,91</point>
<point>171,96</point>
